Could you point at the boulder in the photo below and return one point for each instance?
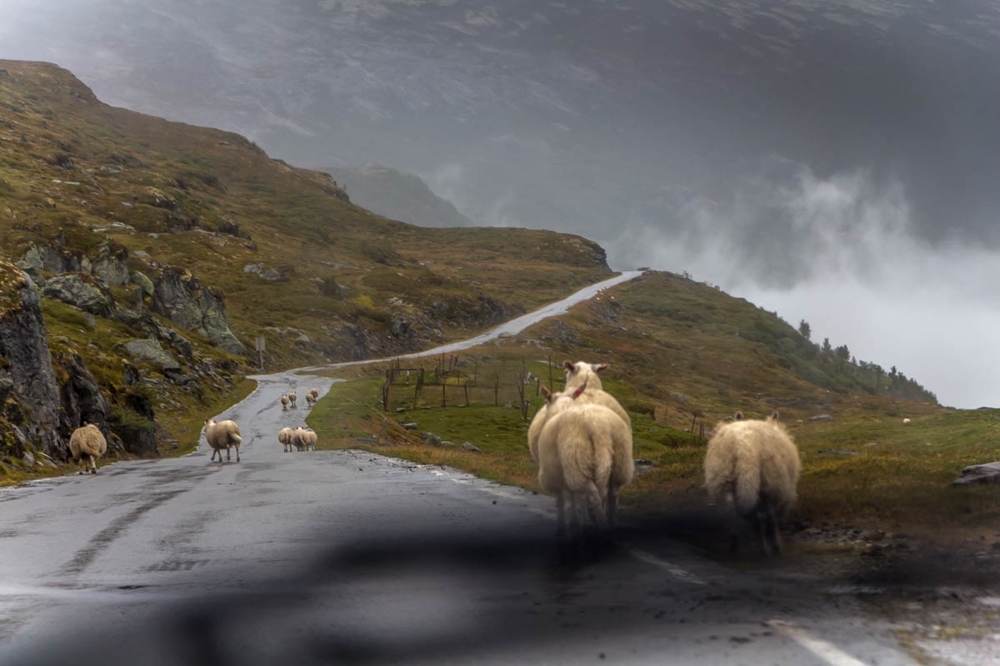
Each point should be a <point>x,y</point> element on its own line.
<point>143,282</point>
<point>85,294</point>
<point>151,351</point>
<point>985,474</point>
<point>180,297</point>
<point>111,265</point>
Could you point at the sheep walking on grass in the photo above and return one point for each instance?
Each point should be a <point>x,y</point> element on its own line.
<point>284,402</point>
<point>285,439</point>
<point>292,397</point>
<point>87,444</point>
<point>223,435</point>
<point>753,467</point>
<point>579,459</point>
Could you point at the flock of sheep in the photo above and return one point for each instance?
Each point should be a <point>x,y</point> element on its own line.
<point>581,439</point>
<point>226,434</point>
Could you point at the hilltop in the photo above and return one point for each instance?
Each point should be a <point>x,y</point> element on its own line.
<point>398,195</point>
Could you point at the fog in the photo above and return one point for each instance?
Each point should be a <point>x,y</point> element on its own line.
<point>831,160</point>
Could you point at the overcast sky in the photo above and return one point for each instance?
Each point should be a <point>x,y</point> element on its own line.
<point>834,160</point>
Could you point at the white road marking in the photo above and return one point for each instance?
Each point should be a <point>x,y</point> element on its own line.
<point>825,650</point>
<point>672,569</point>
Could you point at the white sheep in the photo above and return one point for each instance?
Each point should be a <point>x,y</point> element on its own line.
<point>285,439</point>
<point>223,435</point>
<point>86,444</point>
<point>311,398</point>
<point>585,374</point>
<point>292,397</point>
<point>753,466</point>
<point>906,421</point>
<point>579,452</point>
<point>304,439</point>
<point>284,402</point>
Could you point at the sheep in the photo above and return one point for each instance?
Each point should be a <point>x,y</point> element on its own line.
<point>284,402</point>
<point>285,439</point>
<point>292,397</point>
<point>310,399</point>
<point>753,466</point>
<point>906,421</point>
<point>87,444</point>
<point>580,374</point>
<point>584,453</point>
<point>304,439</point>
<point>223,435</point>
<point>314,392</point>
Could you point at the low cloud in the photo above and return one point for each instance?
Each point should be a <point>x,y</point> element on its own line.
<point>841,253</point>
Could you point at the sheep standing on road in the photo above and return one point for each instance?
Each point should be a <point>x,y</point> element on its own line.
<point>312,397</point>
<point>304,439</point>
<point>753,466</point>
<point>285,439</point>
<point>292,397</point>
<point>223,435</point>
<point>576,451</point>
<point>86,444</point>
<point>284,402</point>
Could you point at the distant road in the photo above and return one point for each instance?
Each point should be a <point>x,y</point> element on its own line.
<point>512,327</point>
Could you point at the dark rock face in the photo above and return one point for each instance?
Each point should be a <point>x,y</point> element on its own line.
<point>179,296</point>
<point>54,260</point>
<point>482,312</point>
<point>25,363</point>
<point>973,475</point>
<point>81,398</point>
<point>111,265</point>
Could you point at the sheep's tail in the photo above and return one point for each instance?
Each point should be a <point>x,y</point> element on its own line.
<point>235,437</point>
<point>747,482</point>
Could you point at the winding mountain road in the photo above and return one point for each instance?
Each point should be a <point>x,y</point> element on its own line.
<point>350,557</point>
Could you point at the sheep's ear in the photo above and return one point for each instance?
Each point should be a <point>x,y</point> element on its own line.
<point>579,390</point>
<point>774,415</point>
<point>739,416</point>
<point>546,393</point>
<point>600,366</point>
<point>570,366</point>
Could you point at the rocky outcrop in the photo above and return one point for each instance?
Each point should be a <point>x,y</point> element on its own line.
<point>180,297</point>
<point>51,259</point>
<point>76,289</point>
<point>80,396</point>
<point>482,312</point>
<point>152,352</point>
<point>32,398</point>
<point>978,475</point>
<point>111,265</point>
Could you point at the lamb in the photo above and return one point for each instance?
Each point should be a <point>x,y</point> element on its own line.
<point>584,454</point>
<point>285,439</point>
<point>753,466</point>
<point>223,435</point>
<point>580,374</point>
<point>284,402</point>
<point>292,397</point>
<point>87,444</point>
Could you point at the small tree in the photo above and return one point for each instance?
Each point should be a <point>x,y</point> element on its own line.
<point>804,329</point>
<point>827,348</point>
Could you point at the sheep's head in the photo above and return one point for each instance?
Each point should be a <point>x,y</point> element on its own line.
<point>582,372</point>
<point>557,402</point>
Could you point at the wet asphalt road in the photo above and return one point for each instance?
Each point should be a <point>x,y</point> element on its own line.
<point>349,557</point>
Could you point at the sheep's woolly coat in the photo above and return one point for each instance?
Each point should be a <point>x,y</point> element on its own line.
<point>86,444</point>
<point>223,435</point>
<point>304,439</point>
<point>755,466</point>
<point>584,454</point>
<point>285,439</point>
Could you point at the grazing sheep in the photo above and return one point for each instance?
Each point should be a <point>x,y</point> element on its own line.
<point>584,454</point>
<point>585,374</point>
<point>223,435</point>
<point>906,421</point>
<point>292,397</point>
<point>284,402</point>
<point>87,444</point>
<point>753,466</point>
<point>285,439</point>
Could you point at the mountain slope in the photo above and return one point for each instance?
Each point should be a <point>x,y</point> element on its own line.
<point>397,195</point>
